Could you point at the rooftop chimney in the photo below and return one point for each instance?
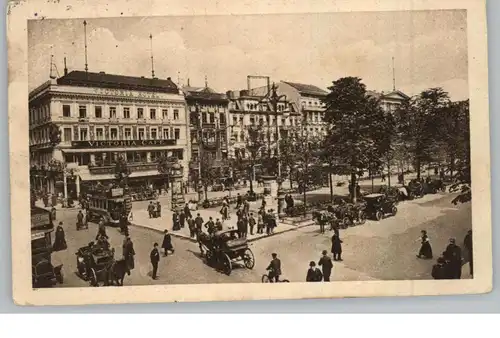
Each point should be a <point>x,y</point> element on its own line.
<point>169,79</point>
<point>65,68</point>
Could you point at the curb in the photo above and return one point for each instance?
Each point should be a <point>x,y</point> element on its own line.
<point>305,224</point>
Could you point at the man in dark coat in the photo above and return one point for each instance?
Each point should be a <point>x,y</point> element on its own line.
<point>155,258</point>
<point>79,220</point>
<point>468,247</point>
<point>167,243</point>
<point>210,225</point>
<point>151,209</point>
<point>251,223</point>
<point>244,228</point>
<point>198,221</point>
<point>274,269</point>
<point>326,265</point>
<point>453,255</point>
<point>187,211</point>
<point>336,248</point>
<point>313,273</point>
<point>129,253</point>
<point>60,239</point>
<point>102,230</point>
<point>175,221</point>
<point>158,209</point>
<point>239,201</point>
<point>439,269</point>
<point>218,225</point>
<point>182,219</point>
<point>192,227</point>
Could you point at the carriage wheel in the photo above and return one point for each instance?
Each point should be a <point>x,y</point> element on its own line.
<point>394,211</point>
<point>265,278</point>
<point>226,264</point>
<point>361,217</point>
<point>93,278</point>
<point>378,215</point>
<point>249,259</point>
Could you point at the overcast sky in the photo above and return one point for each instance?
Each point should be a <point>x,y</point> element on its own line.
<point>429,47</point>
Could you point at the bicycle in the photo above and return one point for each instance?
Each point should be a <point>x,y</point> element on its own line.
<point>266,279</point>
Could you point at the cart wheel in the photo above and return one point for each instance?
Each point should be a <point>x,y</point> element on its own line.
<point>249,259</point>
<point>226,264</point>
<point>93,278</point>
<point>394,211</point>
<point>378,215</point>
<point>265,278</point>
<point>361,217</point>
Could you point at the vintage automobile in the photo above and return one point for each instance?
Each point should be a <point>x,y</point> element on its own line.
<point>434,185</point>
<point>224,248</point>
<point>44,273</point>
<point>415,189</point>
<point>379,205</point>
<point>109,204</point>
<point>348,214</point>
<point>92,263</point>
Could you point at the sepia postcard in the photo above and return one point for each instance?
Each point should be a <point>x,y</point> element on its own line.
<point>184,151</point>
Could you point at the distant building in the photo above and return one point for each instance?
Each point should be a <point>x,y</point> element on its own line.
<point>208,122</point>
<point>101,117</point>
<point>252,108</point>
<point>389,101</point>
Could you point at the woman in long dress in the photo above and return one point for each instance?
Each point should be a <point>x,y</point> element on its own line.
<point>425,251</point>
<point>60,239</point>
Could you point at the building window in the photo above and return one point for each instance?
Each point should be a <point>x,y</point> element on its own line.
<point>140,113</point>
<point>112,112</point>
<point>84,134</point>
<point>99,133</point>
<point>177,133</point>
<point>152,114</point>
<point>114,133</point>
<point>67,134</point>
<point>176,114</point>
<point>154,133</point>
<point>66,110</point>
<point>141,134</point>
<point>126,113</point>
<point>235,120</point>
<point>252,121</point>
<point>165,134</point>
<point>204,117</point>
<point>241,120</point>
<point>98,112</point>
<point>212,118</point>
<point>164,113</point>
<point>128,134</point>
<point>83,112</point>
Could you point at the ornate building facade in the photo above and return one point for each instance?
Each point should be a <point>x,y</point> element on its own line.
<point>99,117</point>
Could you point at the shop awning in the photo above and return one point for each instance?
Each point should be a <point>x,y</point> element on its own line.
<point>115,150</point>
<point>102,177</point>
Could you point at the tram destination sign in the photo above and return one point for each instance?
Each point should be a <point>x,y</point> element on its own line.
<point>122,143</point>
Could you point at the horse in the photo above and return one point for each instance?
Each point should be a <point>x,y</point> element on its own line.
<point>116,272</point>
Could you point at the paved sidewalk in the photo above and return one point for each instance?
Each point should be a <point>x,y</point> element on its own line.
<point>141,219</point>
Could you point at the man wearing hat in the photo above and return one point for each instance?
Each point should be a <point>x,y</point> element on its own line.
<point>274,268</point>
<point>326,265</point>
<point>453,254</point>
<point>313,274</point>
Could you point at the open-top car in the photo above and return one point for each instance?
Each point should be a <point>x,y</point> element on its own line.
<point>224,248</point>
<point>379,205</point>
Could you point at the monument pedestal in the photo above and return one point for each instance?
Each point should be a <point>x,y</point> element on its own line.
<point>271,193</point>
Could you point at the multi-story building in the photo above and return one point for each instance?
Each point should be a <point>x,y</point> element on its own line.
<point>253,108</point>
<point>101,117</point>
<point>309,99</point>
<point>208,124</point>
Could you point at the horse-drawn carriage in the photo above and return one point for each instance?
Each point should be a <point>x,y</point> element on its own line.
<point>379,205</point>
<point>97,264</point>
<point>348,214</point>
<point>224,248</point>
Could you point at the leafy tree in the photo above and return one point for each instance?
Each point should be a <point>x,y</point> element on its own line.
<point>122,171</point>
<point>356,122</point>
<point>164,165</point>
<point>288,154</point>
<point>209,172</point>
<point>418,121</point>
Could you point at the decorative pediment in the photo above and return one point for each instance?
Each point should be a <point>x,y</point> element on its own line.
<point>396,95</point>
